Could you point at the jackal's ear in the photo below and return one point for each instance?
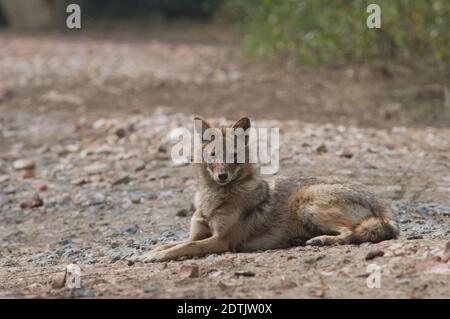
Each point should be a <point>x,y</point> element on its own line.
<point>243,123</point>
<point>200,125</point>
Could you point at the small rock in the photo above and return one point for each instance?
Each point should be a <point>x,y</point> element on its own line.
<point>211,257</point>
<point>29,173</point>
<point>189,271</point>
<point>33,202</point>
<point>374,253</point>
<point>162,148</point>
<point>4,178</point>
<point>412,237</point>
<point>66,241</point>
<point>345,154</point>
<point>115,244</point>
<point>97,168</point>
<point>115,257</point>
<point>72,148</point>
<point>122,180</point>
<point>321,149</point>
<point>65,200</point>
<point>423,210</point>
<point>9,190</point>
<point>25,163</point>
<point>182,212</point>
<point>244,273</point>
<point>120,132</point>
<point>403,281</point>
<point>58,281</point>
<point>79,182</point>
<point>126,204</point>
<point>287,284</point>
<point>130,230</point>
<point>41,187</point>
<point>149,288</point>
<point>136,199</point>
<point>216,273</point>
<point>139,166</point>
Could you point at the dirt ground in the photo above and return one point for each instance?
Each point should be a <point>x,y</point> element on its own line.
<point>86,175</point>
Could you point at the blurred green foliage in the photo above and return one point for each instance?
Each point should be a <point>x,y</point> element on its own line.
<point>323,31</point>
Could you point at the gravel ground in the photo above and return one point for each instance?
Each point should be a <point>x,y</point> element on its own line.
<point>86,175</point>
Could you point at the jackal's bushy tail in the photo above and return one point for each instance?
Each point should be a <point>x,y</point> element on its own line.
<point>374,229</point>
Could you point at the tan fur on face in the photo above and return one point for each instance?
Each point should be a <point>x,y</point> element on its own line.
<point>248,213</point>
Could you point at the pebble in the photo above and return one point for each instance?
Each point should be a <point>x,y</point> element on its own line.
<point>321,149</point>
<point>189,271</point>
<point>211,257</point>
<point>65,200</point>
<point>9,190</point>
<point>404,281</point>
<point>374,253</point>
<point>136,200</point>
<point>32,202</point>
<point>29,173</point>
<point>92,199</point>
<point>182,212</point>
<point>72,148</point>
<point>66,241</point>
<point>41,187</point>
<point>130,230</point>
<point>120,132</point>
<point>79,181</point>
<point>121,180</point>
<point>139,166</point>
<point>25,163</point>
<point>4,178</point>
<point>97,168</point>
<point>149,288</point>
<point>345,154</point>
<point>114,257</point>
<point>244,273</point>
<point>414,237</point>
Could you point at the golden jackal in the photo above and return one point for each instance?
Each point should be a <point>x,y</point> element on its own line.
<point>237,210</point>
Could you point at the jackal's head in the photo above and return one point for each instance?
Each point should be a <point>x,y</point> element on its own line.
<point>225,154</point>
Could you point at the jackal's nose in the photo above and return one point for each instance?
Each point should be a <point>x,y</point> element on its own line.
<point>222,177</point>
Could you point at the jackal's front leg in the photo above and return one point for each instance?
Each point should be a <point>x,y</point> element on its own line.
<point>189,249</point>
<point>199,230</point>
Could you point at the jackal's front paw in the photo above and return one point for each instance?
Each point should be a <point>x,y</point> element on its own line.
<point>153,256</point>
<point>317,241</point>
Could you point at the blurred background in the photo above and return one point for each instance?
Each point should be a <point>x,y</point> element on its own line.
<point>310,60</point>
